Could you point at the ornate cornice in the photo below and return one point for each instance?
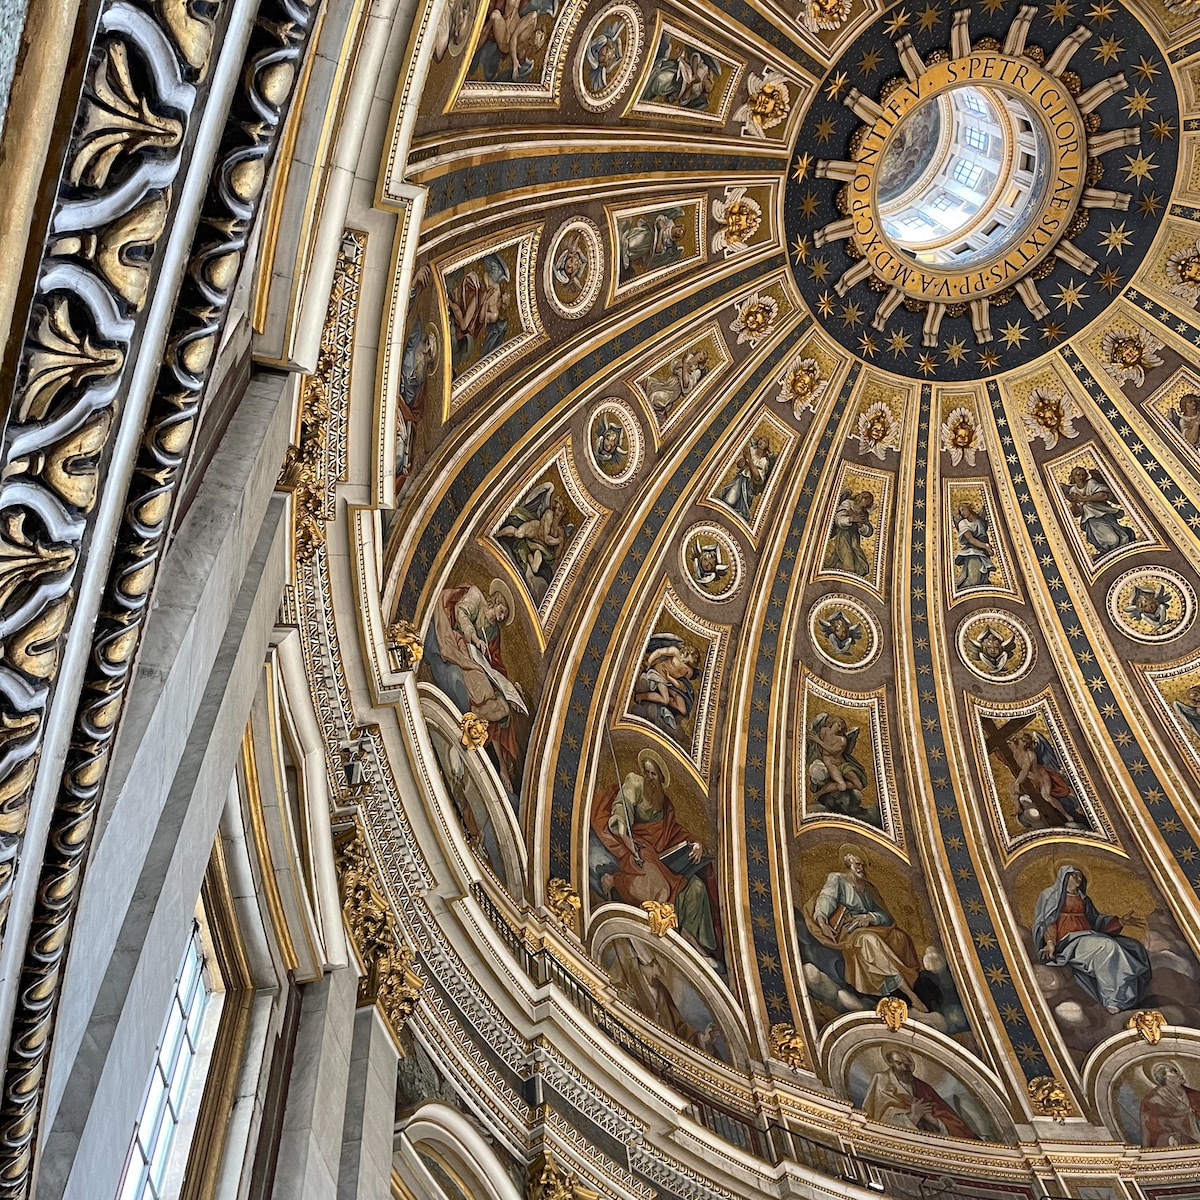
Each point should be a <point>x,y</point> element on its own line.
<point>316,462</point>
<point>388,980</point>
<point>80,340</point>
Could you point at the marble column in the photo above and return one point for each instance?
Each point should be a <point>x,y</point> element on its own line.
<point>366,1169</point>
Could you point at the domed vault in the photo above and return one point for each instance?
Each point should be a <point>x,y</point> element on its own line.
<point>826,602</point>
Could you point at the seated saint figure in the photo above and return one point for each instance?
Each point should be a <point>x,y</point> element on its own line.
<point>1112,968</point>
<point>657,858</point>
<point>849,916</point>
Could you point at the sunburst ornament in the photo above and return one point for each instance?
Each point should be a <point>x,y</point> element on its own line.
<point>768,104</point>
<point>738,219</point>
<point>755,318</point>
<point>1050,415</point>
<point>801,384</point>
<point>961,437</point>
<point>1129,352</point>
<point>878,430</point>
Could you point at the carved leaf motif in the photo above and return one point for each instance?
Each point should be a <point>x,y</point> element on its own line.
<point>191,31</point>
<point>117,246</point>
<point>24,560</point>
<point>35,649</point>
<point>117,122</point>
<point>70,466</point>
<point>63,358</point>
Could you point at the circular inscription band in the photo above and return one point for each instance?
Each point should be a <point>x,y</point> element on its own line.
<point>1039,94</point>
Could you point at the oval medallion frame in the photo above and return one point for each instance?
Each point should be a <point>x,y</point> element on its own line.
<point>587,235</point>
<point>729,564</point>
<point>634,441</point>
<point>976,663</point>
<point>590,44</point>
<point>826,608</point>
<point>1141,626</point>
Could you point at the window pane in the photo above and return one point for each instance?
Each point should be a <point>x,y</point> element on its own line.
<point>150,1153</point>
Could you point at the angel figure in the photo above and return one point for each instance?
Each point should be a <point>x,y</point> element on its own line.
<point>663,692</point>
<point>1039,786</point>
<point>535,532</point>
<point>1149,604</point>
<point>478,306</point>
<point>754,465</point>
<point>991,651</point>
<point>651,239</point>
<point>666,387</point>
<point>609,448</point>
<point>840,633</point>
<point>605,53</point>
<point>1188,708</point>
<point>708,567</point>
<point>571,265</point>
<point>682,76</point>
<point>836,777</point>
<point>1183,273</point>
<point>1091,500</point>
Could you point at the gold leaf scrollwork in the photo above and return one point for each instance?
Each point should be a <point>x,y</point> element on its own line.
<point>404,640</point>
<point>550,1181</point>
<point>35,649</point>
<point>662,916</point>
<point>389,981</point>
<point>787,1045</point>
<point>191,31</point>
<point>117,122</point>
<point>1150,1023</point>
<point>892,1011</point>
<point>563,901</point>
<point>61,357</point>
<point>116,248</point>
<point>1049,1098</point>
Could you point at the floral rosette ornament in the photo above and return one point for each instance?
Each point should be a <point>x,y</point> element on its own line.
<point>738,218</point>
<point>1128,353</point>
<point>878,430</point>
<point>816,15</point>
<point>755,318</point>
<point>768,104</point>
<point>801,384</point>
<point>1050,416</point>
<point>960,436</point>
<point>1183,273</point>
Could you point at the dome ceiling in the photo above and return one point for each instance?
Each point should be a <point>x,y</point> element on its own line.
<point>844,603</point>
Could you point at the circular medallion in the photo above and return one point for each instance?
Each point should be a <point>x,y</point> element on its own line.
<point>615,443</point>
<point>995,646</point>
<point>608,56</point>
<point>843,632</point>
<point>1151,604</point>
<point>712,562</point>
<point>957,184</point>
<point>968,178</point>
<point>573,268</point>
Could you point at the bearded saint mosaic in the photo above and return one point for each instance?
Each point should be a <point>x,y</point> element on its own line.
<point>643,851</point>
<point>1158,1100</point>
